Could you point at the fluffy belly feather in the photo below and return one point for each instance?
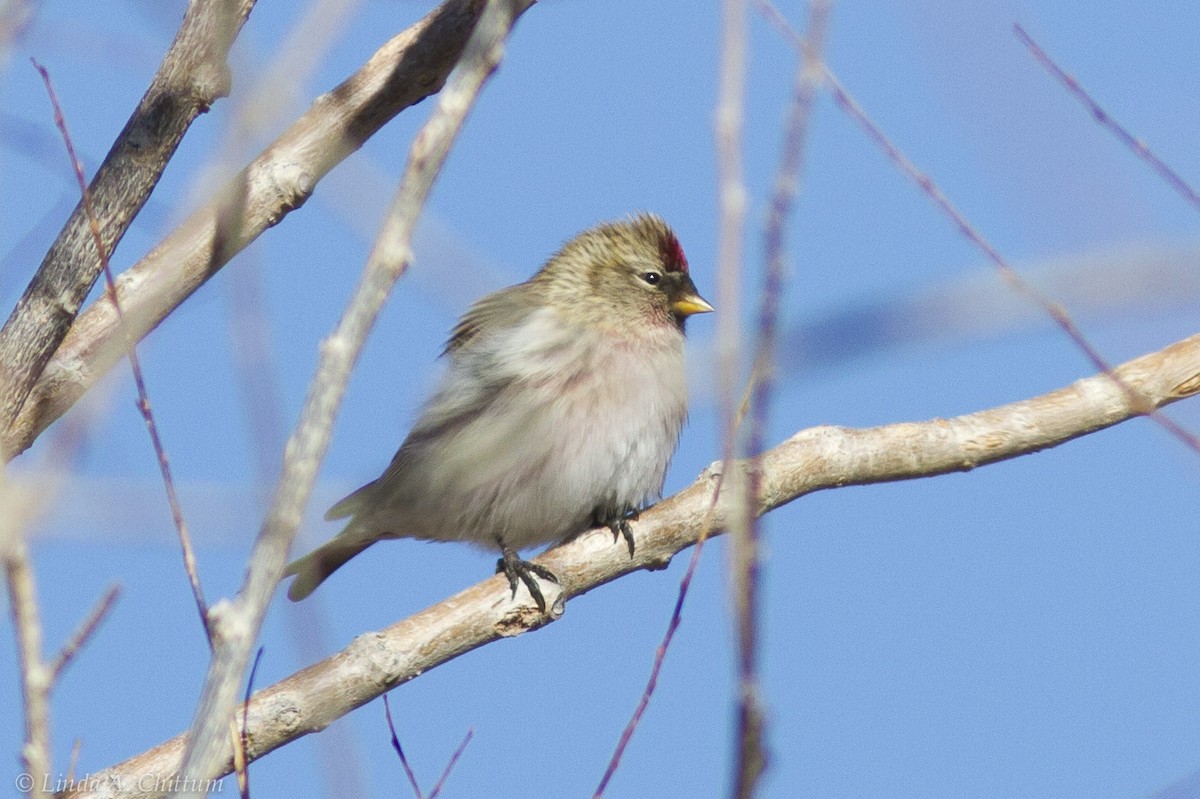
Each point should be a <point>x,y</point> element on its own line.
<point>539,460</point>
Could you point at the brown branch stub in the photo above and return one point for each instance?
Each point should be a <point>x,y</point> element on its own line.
<point>405,70</point>
<point>192,76</point>
<point>813,459</point>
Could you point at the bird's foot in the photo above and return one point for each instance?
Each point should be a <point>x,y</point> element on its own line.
<point>516,569</point>
<point>620,526</point>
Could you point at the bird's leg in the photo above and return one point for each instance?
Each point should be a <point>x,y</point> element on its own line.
<point>514,568</point>
<point>619,525</point>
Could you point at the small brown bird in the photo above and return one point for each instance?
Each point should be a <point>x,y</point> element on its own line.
<point>560,408</point>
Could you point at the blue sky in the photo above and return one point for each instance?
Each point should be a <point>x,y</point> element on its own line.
<point>1027,629</point>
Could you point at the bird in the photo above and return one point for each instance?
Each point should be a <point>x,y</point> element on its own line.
<point>559,410</point>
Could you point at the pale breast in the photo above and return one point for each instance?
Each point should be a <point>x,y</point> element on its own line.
<point>568,420</point>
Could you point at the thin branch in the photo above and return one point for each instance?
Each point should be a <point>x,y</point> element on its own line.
<point>731,199</point>
<point>242,738</point>
<point>660,654</point>
<point>815,459</point>
<point>724,468</point>
<point>84,632</point>
<point>185,540</point>
<point>729,159</point>
<point>731,192</point>
<point>236,625</point>
<point>261,109</point>
<point>410,67</point>
<point>192,76</point>
<point>412,778</point>
<point>731,109</point>
<point>408,772</point>
<point>751,758</point>
<point>74,760</point>
<point>1136,145</point>
<point>1018,284</point>
<point>441,783</point>
<point>35,676</point>
<point>1010,275</point>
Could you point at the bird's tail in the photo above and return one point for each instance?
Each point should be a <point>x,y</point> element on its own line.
<point>312,569</point>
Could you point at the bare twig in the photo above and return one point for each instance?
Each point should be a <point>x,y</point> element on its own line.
<point>408,68</point>
<point>751,759</point>
<point>1136,145</point>
<point>275,86</point>
<point>185,540</point>
<point>729,158</point>
<point>35,676</point>
<point>74,761</point>
<point>38,677</point>
<point>301,53</point>
<point>275,91</point>
<point>1057,313</point>
<point>192,76</point>
<point>731,239</point>
<point>237,623</point>
<point>441,783</point>
<point>660,654</point>
<point>731,198</point>
<point>725,468</point>
<point>412,778</point>
<point>1022,287</point>
<point>706,527</point>
<point>815,459</point>
<point>83,633</point>
<point>241,764</point>
<point>731,192</point>
<point>408,772</point>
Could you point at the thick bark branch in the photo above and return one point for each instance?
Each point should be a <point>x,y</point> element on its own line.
<point>407,69</point>
<point>812,460</point>
<point>192,76</point>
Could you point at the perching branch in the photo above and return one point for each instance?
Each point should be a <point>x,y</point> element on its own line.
<point>410,67</point>
<point>812,460</point>
<point>192,76</point>
<point>234,625</point>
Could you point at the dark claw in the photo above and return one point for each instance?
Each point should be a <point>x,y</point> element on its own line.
<point>514,568</point>
<point>620,527</point>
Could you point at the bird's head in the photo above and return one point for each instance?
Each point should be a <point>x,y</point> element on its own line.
<point>624,274</point>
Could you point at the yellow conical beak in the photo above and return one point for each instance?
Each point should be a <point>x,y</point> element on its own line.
<point>689,304</point>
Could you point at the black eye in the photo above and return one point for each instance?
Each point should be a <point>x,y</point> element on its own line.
<point>653,278</point>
